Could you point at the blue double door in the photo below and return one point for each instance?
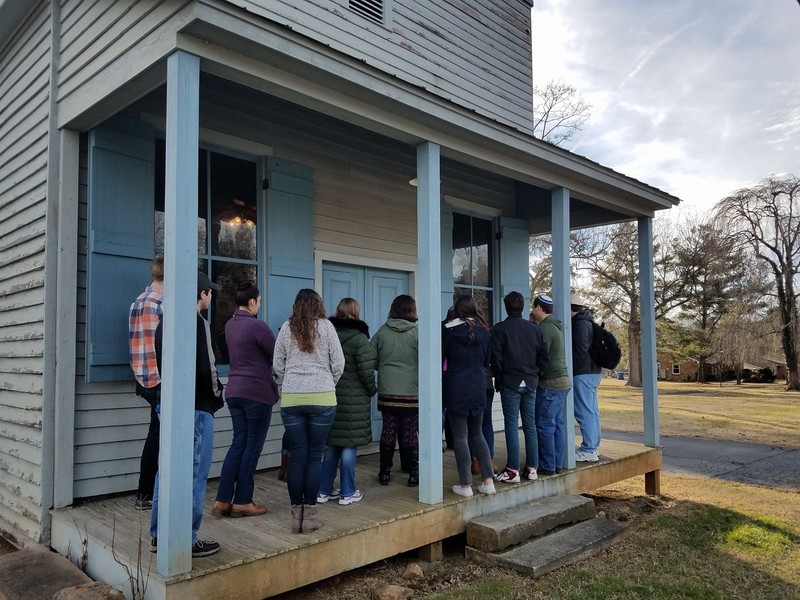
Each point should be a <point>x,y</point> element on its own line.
<point>374,289</point>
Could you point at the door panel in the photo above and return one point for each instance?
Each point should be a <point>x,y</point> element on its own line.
<point>374,289</point>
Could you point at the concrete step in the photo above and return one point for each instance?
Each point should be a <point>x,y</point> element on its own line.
<point>37,575</point>
<point>562,547</point>
<point>513,526</point>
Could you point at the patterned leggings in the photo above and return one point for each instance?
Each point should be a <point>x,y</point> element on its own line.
<point>403,427</point>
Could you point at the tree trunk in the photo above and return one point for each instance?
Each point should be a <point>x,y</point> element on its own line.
<point>634,354</point>
<point>788,309</point>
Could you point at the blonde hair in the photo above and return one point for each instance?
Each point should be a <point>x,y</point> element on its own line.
<point>348,308</point>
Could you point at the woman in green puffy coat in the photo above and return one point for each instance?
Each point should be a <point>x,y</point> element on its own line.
<point>353,424</point>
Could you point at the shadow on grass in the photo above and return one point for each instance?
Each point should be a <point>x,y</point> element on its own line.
<point>692,551</point>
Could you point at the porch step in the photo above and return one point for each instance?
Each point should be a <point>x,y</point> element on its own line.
<point>499,530</point>
<point>36,574</point>
<point>563,547</point>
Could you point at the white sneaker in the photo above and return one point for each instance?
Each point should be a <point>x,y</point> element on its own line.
<point>530,473</point>
<point>487,488</point>
<point>323,498</point>
<point>463,490</point>
<point>354,497</point>
<point>581,456</point>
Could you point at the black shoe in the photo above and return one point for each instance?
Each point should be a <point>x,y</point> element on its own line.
<point>413,480</point>
<point>143,503</point>
<point>545,472</point>
<point>384,477</point>
<point>153,544</point>
<point>204,548</point>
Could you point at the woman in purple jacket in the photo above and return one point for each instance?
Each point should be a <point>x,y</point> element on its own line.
<point>251,392</point>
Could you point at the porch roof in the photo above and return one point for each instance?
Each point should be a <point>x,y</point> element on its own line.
<point>267,56</point>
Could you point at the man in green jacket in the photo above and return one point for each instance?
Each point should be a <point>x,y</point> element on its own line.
<point>554,386</point>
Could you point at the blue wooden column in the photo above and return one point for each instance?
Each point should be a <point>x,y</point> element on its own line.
<point>561,293</point>
<point>180,316</point>
<point>648,312</point>
<point>647,306</point>
<point>429,302</point>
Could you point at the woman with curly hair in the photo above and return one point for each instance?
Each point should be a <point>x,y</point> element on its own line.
<point>309,360</point>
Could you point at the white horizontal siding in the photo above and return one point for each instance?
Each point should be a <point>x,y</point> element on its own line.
<point>24,102</point>
<point>476,54</point>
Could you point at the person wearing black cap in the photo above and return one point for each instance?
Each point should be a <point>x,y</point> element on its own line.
<point>554,385</point>
<point>585,380</point>
<point>207,401</point>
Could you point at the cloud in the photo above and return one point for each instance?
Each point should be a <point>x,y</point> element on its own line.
<point>697,98</point>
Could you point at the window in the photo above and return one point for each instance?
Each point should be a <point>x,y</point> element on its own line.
<point>473,240</point>
<point>227,228</point>
<point>676,368</point>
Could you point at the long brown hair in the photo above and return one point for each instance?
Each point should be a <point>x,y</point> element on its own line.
<point>467,309</point>
<point>348,309</point>
<point>307,308</point>
<point>404,307</point>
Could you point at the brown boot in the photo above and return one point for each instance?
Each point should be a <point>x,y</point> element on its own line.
<point>475,467</point>
<point>221,509</point>
<point>283,468</point>
<point>247,510</point>
<point>297,518</point>
<point>310,520</point>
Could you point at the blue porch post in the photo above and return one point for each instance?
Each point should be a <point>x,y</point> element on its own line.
<point>429,301</point>
<point>561,292</point>
<point>649,373</point>
<point>180,325</point>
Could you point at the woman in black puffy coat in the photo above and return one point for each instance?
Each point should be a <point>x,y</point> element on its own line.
<point>353,424</point>
<point>465,347</point>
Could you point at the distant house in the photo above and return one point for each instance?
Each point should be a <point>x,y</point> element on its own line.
<point>672,369</point>
<point>276,141</point>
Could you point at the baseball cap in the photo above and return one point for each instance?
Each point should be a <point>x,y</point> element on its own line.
<point>204,283</point>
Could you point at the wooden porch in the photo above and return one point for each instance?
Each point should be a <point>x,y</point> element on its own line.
<point>260,558</point>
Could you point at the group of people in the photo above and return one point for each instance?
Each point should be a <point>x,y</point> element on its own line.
<point>326,370</point>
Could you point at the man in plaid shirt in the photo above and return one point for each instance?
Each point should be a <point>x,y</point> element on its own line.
<point>145,315</point>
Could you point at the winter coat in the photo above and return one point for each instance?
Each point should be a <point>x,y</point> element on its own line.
<point>556,367</point>
<point>353,424</point>
<point>582,363</point>
<point>518,353</point>
<point>464,381</point>
<point>251,344</point>
<point>397,363</point>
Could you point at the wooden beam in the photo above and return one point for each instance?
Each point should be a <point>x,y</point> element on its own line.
<point>433,552</point>
<point>652,483</point>
<point>647,304</point>
<point>429,294</point>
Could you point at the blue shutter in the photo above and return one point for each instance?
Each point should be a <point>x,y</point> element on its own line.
<point>447,257</point>
<point>121,240</point>
<point>290,236</point>
<point>514,269</point>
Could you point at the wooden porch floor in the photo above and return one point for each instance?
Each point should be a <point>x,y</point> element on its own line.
<point>260,558</point>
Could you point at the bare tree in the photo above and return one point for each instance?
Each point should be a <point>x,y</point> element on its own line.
<point>559,112</point>
<point>766,218</point>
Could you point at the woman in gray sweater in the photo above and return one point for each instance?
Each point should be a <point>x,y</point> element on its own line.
<point>309,359</point>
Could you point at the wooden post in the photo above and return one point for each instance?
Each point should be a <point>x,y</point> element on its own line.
<point>652,483</point>
<point>561,293</point>
<point>432,552</point>
<point>647,307</point>
<point>180,316</point>
<point>429,294</point>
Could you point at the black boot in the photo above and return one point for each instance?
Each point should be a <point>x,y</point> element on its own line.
<point>404,468</point>
<point>412,459</point>
<point>387,455</point>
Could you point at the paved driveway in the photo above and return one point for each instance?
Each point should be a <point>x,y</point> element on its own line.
<point>757,464</point>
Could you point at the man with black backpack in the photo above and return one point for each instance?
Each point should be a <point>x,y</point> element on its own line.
<point>586,375</point>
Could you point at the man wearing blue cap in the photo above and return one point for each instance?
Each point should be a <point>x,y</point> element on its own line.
<point>554,386</point>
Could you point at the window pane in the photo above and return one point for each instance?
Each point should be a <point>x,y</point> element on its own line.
<point>481,252</point>
<point>483,298</point>
<point>461,249</point>
<point>233,207</point>
<point>228,275</point>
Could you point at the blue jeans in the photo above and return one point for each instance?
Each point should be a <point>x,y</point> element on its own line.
<point>520,403</point>
<point>550,427</point>
<point>307,430</point>
<point>203,453</point>
<point>250,421</point>
<point>345,459</point>
<point>587,413</point>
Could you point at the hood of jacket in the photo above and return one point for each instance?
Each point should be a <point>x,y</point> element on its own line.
<point>400,325</point>
<point>553,322</point>
<point>584,315</point>
<point>347,328</point>
<point>458,331</point>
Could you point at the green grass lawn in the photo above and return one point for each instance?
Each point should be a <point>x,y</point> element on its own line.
<point>758,413</point>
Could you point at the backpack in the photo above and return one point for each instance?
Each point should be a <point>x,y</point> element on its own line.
<point>605,349</point>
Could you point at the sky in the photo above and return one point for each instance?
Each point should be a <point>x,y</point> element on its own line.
<point>698,98</point>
